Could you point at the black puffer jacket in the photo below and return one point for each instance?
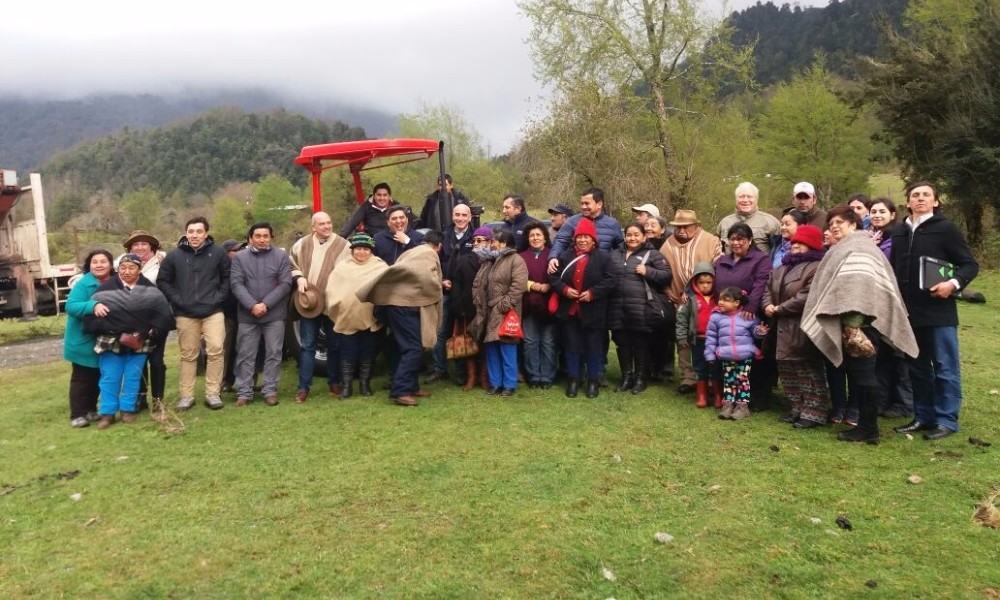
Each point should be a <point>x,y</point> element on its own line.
<point>195,282</point>
<point>627,307</point>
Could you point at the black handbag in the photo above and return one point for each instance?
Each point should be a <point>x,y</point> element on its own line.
<point>660,311</point>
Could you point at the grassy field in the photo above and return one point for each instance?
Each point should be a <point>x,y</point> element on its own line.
<point>15,330</point>
<point>469,496</point>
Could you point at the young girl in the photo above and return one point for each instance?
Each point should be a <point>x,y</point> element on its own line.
<point>729,338</point>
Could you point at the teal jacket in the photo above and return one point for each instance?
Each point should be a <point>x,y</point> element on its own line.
<point>78,347</point>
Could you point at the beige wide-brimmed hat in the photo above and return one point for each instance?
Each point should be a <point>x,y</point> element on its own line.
<point>685,217</point>
<point>309,303</point>
<point>141,235</point>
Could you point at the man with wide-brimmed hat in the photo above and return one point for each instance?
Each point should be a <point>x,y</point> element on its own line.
<point>143,244</point>
<point>314,257</point>
<point>688,246</point>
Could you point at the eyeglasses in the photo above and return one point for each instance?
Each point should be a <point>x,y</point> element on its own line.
<point>479,240</point>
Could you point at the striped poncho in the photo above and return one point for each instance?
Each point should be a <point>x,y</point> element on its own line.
<point>854,276</point>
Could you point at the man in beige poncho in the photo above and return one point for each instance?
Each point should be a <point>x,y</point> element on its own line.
<point>408,297</point>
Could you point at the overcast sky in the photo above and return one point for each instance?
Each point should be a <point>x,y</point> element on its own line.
<point>388,54</point>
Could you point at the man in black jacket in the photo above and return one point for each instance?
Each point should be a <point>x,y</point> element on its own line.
<point>195,279</point>
<point>936,374</point>
<point>439,204</point>
<point>516,219</point>
<point>457,241</point>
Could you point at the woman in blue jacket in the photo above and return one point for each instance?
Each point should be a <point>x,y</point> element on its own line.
<point>78,346</point>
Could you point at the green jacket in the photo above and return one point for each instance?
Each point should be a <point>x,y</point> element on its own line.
<point>78,346</point>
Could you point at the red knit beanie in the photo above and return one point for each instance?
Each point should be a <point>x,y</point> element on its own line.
<point>586,227</point>
<point>810,235</point>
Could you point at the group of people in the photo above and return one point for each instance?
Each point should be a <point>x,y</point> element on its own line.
<point>830,303</point>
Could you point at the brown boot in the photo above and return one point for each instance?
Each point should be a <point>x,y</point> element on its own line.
<point>727,411</point>
<point>702,387</point>
<point>741,411</point>
<point>717,393</point>
<point>484,376</point>
<point>470,374</point>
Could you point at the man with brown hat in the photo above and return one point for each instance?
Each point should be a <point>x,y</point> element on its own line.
<point>313,258</point>
<point>145,245</point>
<point>688,246</point>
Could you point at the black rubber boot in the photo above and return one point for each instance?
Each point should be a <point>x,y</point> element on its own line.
<point>641,375</point>
<point>365,377</point>
<point>347,376</point>
<point>593,388</point>
<point>628,381</point>
<point>572,387</point>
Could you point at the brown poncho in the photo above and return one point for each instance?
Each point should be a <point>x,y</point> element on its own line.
<point>415,281</point>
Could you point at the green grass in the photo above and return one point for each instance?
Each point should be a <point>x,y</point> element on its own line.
<point>890,185</point>
<point>469,496</point>
<point>14,330</point>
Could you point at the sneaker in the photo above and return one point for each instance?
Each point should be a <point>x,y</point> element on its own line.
<point>741,411</point>
<point>184,404</point>
<point>214,402</point>
<point>92,416</point>
<point>79,422</point>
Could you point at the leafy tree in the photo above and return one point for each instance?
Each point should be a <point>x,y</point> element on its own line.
<point>479,178</point>
<point>937,97</point>
<point>276,200</point>
<point>808,133</point>
<point>657,49</point>
<point>230,219</point>
<point>141,209</point>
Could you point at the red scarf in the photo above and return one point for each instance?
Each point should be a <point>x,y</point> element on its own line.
<point>574,308</point>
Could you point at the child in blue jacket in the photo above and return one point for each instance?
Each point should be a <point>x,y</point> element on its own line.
<point>730,339</point>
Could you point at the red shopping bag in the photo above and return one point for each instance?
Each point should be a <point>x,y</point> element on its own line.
<point>511,326</point>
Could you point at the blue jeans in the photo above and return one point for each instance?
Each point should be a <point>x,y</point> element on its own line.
<point>539,348</point>
<point>120,377</point>
<point>405,324</point>
<point>440,356</point>
<point>308,334</point>
<point>501,364</point>
<point>937,377</point>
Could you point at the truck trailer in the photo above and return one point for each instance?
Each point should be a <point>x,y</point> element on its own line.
<point>29,284</point>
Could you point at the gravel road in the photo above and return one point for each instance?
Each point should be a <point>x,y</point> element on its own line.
<point>32,352</point>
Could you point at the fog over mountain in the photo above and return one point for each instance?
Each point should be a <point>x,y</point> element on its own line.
<point>376,57</point>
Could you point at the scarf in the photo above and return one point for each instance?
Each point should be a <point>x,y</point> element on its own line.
<point>807,256</point>
<point>578,268</point>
